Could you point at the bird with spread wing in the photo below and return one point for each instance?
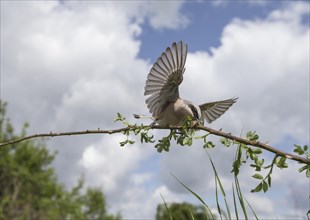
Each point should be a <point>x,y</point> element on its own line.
<point>162,87</point>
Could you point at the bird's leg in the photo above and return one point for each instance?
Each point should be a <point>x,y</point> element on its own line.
<point>196,123</point>
<point>153,124</point>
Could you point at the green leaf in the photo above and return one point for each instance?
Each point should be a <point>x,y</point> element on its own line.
<point>257,168</point>
<point>225,141</point>
<point>258,188</point>
<point>308,172</point>
<point>187,141</point>
<point>260,162</point>
<point>258,176</point>
<point>305,147</point>
<point>131,142</point>
<point>119,117</point>
<point>123,143</point>
<point>258,151</point>
<point>209,144</point>
<point>269,180</point>
<point>302,168</point>
<point>253,156</point>
<point>265,186</point>
<point>145,138</point>
<point>280,162</point>
<point>252,136</point>
<point>159,148</point>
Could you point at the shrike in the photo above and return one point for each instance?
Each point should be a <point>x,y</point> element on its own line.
<point>162,87</point>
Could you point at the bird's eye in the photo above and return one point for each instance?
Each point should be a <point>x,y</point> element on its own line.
<point>195,112</point>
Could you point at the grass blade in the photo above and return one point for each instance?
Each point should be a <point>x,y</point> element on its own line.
<point>240,197</point>
<point>168,210</point>
<point>217,180</point>
<point>235,203</point>
<point>194,194</point>
<point>251,209</point>
<point>217,199</point>
<point>192,216</point>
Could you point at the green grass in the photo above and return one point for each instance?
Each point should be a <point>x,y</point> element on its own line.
<point>224,211</point>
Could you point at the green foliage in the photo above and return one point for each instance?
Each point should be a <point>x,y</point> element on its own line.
<point>29,187</point>
<point>208,210</point>
<point>236,187</point>
<point>245,153</point>
<point>161,213</point>
<point>303,151</point>
<point>185,136</point>
<point>223,213</point>
<point>180,211</point>
<point>218,182</point>
<point>164,143</point>
<point>136,130</point>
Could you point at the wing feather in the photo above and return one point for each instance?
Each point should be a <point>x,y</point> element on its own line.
<point>157,75</point>
<point>172,54</point>
<point>169,59</point>
<point>164,78</point>
<point>162,65</point>
<point>213,110</point>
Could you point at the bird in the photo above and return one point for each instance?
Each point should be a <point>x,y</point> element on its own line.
<point>162,89</point>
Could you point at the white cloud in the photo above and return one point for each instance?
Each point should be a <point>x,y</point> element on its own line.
<point>224,3</point>
<point>58,51</point>
<point>261,204</point>
<point>159,14</point>
<point>219,3</point>
<point>140,178</point>
<point>293,13</point>
<point>267,58</point>
<point>106,162</point>
<point>142,203</point>
<point>167,14</point>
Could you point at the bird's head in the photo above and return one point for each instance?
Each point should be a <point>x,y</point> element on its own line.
<point>194,111</point>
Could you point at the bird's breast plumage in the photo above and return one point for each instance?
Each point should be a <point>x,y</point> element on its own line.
<point>175,113</point>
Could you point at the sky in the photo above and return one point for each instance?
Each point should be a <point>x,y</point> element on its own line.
<point>72,65</point>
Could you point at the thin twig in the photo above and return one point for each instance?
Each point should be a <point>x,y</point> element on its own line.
<point>199,127</point>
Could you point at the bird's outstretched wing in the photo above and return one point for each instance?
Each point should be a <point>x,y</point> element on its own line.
<point>165,76</point>
<point>213,110</point>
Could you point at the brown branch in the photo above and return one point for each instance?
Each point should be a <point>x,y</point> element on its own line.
<point>199,127</point>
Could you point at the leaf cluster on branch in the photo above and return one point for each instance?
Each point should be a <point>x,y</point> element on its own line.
<point>248,148</point>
